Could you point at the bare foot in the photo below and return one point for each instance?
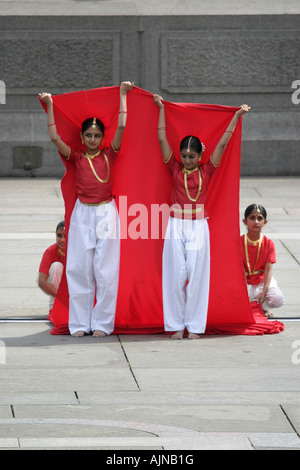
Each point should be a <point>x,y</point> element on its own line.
<point>193,336</point>
<point>99,334</point>
<point>79,334</point>
<point>268,314</point>
<point>178,335</point>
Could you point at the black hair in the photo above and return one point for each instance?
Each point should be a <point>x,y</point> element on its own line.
<point>192,142</point>
<point>255,207</point>
<point>89,122</point>
<point>60,225</point>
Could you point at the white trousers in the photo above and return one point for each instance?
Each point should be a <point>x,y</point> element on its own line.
<point>93,260</point>
<point>274,297</point>
<point>55,274</point>
<point>186,257</point>
<point>54,278</point>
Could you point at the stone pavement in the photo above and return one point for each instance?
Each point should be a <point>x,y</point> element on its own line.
<point>142,392</point>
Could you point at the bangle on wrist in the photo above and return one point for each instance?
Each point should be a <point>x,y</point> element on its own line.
<point>125,112</point>
<point>53,124</point>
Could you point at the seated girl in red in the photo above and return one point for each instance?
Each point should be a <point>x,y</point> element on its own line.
<point>259,257</point>
<point>51,266</point>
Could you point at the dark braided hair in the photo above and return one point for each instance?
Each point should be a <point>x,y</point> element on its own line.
<point>89,122</point>
<point>191,142</point>
<point>255,207</point>
<point>60,225</point>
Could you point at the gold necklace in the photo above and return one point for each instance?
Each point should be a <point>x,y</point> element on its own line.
<point>255,242</point>
<point>92,156</point>
<point>247,255</point>
<point>89,158</point>
<point>188,172</point>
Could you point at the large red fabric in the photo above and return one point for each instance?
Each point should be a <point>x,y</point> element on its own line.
<point>141,183</point>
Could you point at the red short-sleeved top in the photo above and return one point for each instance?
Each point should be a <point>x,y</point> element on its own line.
<point>184,184</point>
<point>89,189</point>
<point>267,254</point>
<point>50,256</point>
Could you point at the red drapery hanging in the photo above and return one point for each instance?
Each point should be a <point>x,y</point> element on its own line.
<point>142,186</point>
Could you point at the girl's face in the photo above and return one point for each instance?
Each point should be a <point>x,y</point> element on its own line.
<point>61,239</point>
<point>92,138</point>
<point>255,222</point>
<point>190,159</point>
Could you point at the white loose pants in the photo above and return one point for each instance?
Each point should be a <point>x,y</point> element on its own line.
<point>93,260</point>
<point>274,296</point>
<point>55,274</point>
<point>186,257</point>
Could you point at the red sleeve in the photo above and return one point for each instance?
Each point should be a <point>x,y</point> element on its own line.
<point>211,167</point>
<point>72,156</point>
<point>172,163</point>
<point>48,258</point>
<point>271,255</point>
<point>111,151</point>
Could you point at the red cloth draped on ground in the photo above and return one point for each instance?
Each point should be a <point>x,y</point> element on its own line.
<point>142,184</point>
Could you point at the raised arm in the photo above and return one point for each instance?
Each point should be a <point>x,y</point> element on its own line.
<point>221,146</point>
<point>62,147</point>
<point>161,129</point>
<point>117,140</point>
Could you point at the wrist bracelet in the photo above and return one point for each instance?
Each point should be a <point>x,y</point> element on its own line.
<point>53,124</point>
<point>229,132</point>
<point>122,112</point>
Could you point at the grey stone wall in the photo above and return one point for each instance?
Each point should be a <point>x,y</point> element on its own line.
<point>227,60</point>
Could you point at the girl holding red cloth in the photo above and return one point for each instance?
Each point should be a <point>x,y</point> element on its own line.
<point>186,252</point>
<point>258,257</point>
<point>93,251</point>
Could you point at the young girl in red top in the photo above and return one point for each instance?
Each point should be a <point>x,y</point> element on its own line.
<point>93,251</point>
<point>51,266</point>
<point>259,257</point>
<point>186,253</point>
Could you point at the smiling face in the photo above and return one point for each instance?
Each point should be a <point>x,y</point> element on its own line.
<point>61,239</point>
<point>92,138</point>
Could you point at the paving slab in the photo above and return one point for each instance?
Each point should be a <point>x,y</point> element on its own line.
<point>197,417</point>
<point>125,400</point>
<point>38,362</point>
